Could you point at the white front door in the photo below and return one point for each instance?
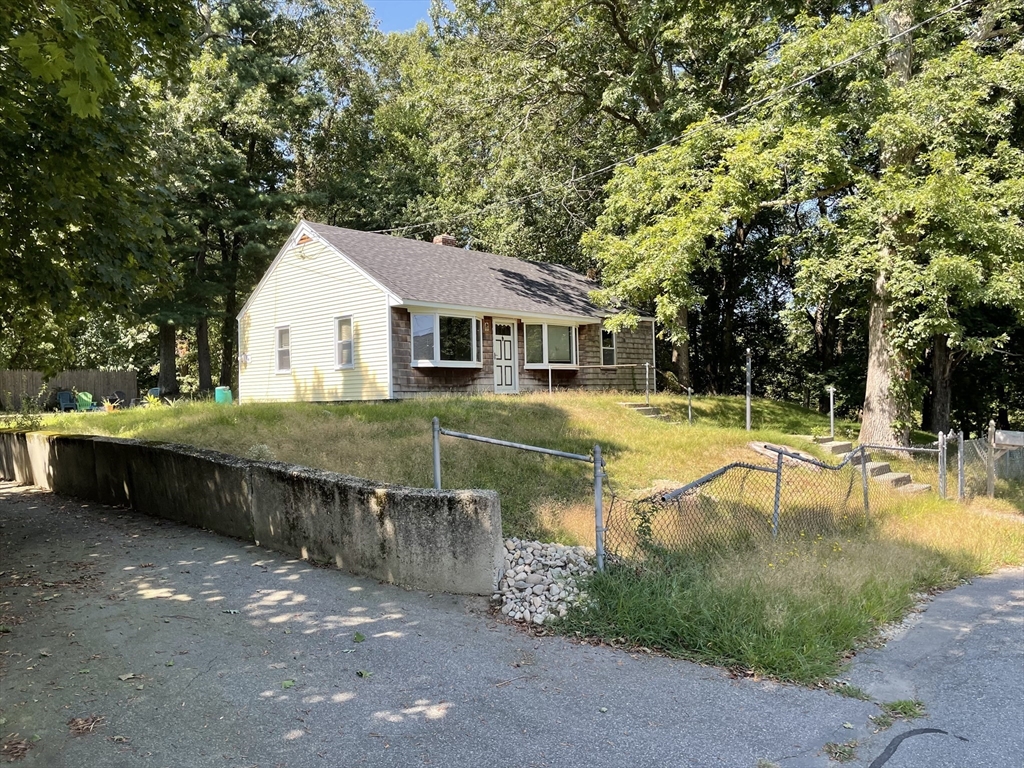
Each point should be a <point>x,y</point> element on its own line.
<point>505,353</point>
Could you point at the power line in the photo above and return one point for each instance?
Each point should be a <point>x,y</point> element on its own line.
<point>410,228</point>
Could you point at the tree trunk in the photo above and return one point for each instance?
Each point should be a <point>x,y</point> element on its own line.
<point>203,354</point>
<point>168,377</point>
<point>881,408</point>
<point>228,327</point>
<point>942,391</point>
<point>681,350</point>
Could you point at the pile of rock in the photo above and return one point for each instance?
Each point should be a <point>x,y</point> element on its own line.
<point>539,580</point>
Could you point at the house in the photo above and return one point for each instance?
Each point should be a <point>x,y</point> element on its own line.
<point>348,315</point>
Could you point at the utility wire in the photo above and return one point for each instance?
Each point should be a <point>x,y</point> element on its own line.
<point>411,228</point>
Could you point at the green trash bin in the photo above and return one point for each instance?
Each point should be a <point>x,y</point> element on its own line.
<point>222,395</point>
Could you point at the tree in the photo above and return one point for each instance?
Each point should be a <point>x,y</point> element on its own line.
<point>79,223</point>
<point>894,177</point>
<point>230,139</point>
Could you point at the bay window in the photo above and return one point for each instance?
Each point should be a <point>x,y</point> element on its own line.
<point>550,345</point>
<point>446,341</point>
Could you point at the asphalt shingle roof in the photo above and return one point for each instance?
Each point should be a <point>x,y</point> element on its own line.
<point>418,271</point>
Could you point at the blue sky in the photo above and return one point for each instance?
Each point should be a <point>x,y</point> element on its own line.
<point>399,15</point>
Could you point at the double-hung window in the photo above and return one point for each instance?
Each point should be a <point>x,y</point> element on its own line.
<point>284,352</point>
<point>450,341</point>
<point>343,347</point>
<point>550,345</point>
<point>607,347</point>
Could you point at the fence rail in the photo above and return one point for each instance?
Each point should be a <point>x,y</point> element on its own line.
<point>742,502</point>
<point>594,458</point>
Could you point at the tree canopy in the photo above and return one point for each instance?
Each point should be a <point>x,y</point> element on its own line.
<point>837,187</point>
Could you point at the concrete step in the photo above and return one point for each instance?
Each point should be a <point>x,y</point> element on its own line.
<point>876,468</point>
<point>635,405</point>
<point>895,479</point>
<point>646,410</point>
<point>657,416</point>
<point>838,448</point>
<point>856,458</point>
<point>915,488</point>
<point>823,439</point>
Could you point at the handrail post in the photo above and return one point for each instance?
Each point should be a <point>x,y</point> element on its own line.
<point>778,496</point>
<point>748,389</point>
<point>689,404</point>
<point>549,379</point>
<point>832,412</point>
<point>991,459</point>
<point>598,507</point>
<point>961,491</point>
<point>942,465</point>
<point>647,382</point>
<point>437,453</point>
<point>864,479</point>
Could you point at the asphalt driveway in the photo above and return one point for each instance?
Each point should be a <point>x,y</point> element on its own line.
<point>169,646</point>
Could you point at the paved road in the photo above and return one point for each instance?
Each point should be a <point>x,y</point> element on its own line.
<point>243,657</point>
<point>964,658</point>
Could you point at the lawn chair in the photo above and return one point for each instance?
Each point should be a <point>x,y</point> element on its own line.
<point>85,402</point>
<point>66,401</point>
<point>119,399</point>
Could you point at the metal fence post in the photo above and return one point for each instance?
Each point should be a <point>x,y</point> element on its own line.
<point>832,412</point>
<point>598,507</point>
<point>991,463</point>
<point>864,479</point>
<point>778,496</point>
<point>942,465</point>
<point>961,491</point>
<point>748,389</point>
<point>437,453</point>
<point>647,382</point>
<point>689,404</point>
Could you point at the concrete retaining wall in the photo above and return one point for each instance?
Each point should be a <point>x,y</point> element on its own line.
<point>436,540</point>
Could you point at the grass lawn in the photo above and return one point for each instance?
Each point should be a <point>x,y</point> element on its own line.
<point>792,610</point>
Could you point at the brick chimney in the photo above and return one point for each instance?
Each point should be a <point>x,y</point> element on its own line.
<point>445,240</point>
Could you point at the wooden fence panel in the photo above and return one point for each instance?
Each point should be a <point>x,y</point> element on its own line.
<point>14,384</point>
<point>100,384</point>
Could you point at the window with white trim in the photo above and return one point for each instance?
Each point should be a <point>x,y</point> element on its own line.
<point>284,352</point>
<point>607,347</point>
<point>550,345</point>
<point>343,348</point>
<point>451,341</point>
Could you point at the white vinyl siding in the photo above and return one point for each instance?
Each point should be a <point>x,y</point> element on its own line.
<point>310,290</point>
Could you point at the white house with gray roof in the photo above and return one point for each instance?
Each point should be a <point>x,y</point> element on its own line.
<point>348,315</point>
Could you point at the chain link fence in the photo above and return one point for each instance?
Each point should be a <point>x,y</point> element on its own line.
<point>738,505</point>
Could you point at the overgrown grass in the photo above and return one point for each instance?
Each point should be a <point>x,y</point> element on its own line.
<point>795,610</point>
<point>540,496</point>
<point>791,610</point>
